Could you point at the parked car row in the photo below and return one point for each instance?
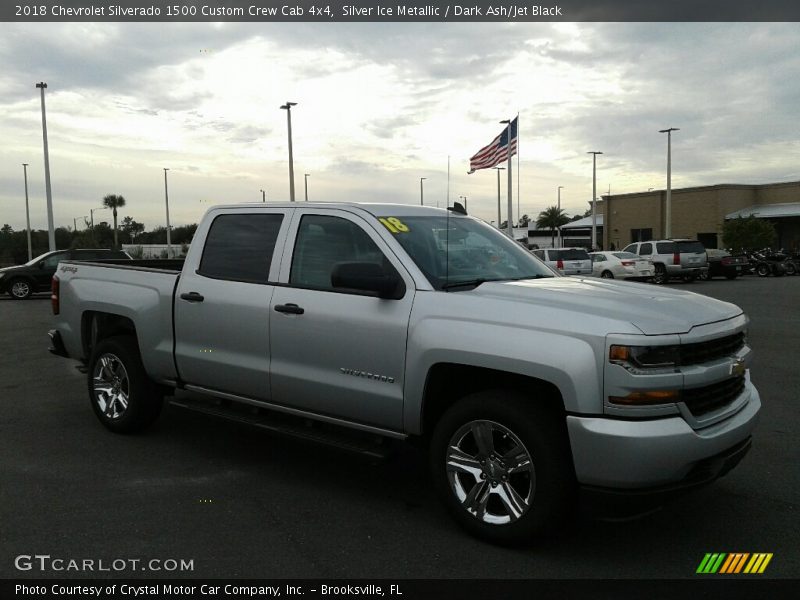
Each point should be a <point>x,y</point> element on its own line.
<point>20,281</point>
<point>661,260</point>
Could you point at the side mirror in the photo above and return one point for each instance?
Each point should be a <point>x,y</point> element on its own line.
<point>368,277</point>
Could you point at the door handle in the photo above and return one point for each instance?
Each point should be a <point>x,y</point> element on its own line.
<point>291,309</point>
<point>192,297</point>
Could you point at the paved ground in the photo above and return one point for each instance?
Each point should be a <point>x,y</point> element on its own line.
<point>242,503</point>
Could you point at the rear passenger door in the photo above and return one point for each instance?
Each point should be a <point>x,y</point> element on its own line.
<point>222,303</point>
<point>338,352</point>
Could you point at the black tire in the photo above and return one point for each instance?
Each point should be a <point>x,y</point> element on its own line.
<point>519,427</point>
<point>117,366</point>
<point>762,270</point>
<point>607,275</point>
<point>689,278</point>
<point>791,269</point>
<point>705,275</point>
<point>20,288</point>
<point>660,277</point>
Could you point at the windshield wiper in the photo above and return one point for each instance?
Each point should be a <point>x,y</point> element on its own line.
<point>470,283</point>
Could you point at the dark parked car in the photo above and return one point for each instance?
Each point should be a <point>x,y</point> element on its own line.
<point>21,281</point>
<point>722,264</point>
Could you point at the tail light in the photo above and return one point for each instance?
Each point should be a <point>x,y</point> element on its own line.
<point>560,264</point>
<point>627,263</point>
<point>55,286</point>
<point>676,258</point>
<point>727,260</point>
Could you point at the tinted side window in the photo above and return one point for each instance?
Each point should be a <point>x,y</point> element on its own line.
<point>239,247</point>
<point>323,242</point>
<point>51,262</point>
<point>665,247</point>
<point>630,248</point>
<point>645,250</point>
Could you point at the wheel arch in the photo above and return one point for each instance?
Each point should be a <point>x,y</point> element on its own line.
<point>446,383</point>
<point>97,326</point>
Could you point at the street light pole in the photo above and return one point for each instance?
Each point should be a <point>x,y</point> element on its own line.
<point>27,211</point>
<point>288,108</point>
<point>594,198</point>
<point>166,200</point>
<point>561,187</point>
<point>51,232</point>
<point>263,196</point>
<point>668,203</point>
<point>421,199</point>
<point>305,180</point>
<point>498,169</point>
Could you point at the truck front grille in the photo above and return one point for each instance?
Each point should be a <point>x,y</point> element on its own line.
<point>701,352</point>
<point>703,400</point>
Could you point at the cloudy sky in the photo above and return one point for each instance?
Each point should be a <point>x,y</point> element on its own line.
<point>381,105</point>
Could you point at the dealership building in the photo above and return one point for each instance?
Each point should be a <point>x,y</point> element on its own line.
<point>699,212</point>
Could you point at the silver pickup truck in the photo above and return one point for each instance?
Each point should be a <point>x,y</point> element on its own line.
<point>396,321</point>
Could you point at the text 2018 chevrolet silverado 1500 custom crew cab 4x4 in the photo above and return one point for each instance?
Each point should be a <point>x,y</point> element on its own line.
<point>419,322</point>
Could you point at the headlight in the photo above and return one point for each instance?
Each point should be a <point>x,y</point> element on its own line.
<point>645,359</point>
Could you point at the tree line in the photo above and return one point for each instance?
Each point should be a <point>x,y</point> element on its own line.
<point>14,244</point>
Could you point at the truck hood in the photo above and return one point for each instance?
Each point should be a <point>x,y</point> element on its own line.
<point>652,310</point>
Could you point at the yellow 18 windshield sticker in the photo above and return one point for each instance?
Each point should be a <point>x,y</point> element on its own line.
<point>394,224</point>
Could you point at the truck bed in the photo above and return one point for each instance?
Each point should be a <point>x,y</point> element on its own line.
<point>156,264</point>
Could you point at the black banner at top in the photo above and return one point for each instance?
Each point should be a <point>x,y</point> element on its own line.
<point>397,10</point>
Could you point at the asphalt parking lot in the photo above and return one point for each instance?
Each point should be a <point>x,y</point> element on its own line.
<point>243,503</point>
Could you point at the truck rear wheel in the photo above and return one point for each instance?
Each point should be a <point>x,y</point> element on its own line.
<point>122,395</point>
<point>502,466</point>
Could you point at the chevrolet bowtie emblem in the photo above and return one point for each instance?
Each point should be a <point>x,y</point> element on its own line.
<point>738,368</point>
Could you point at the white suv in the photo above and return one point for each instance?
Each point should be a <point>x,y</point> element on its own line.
<point>567,261</point>
<point>673,258</point>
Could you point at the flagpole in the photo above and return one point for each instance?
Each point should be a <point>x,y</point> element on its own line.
<point>519,196</point>
<point>510,221</point>
<point>448,182</point>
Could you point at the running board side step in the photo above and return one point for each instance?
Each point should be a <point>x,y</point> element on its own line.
<point>371,446</point>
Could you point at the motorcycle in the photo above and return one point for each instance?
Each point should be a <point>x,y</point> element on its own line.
<point>768,262</point>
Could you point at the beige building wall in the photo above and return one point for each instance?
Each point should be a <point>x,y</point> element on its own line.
<point>694,210</point>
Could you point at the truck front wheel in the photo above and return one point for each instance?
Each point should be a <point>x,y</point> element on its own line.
<point>122,395</point>
<point>501,464</point>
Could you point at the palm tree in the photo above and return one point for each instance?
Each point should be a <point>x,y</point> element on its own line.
<point>113,202</point>
<point>552,218</point>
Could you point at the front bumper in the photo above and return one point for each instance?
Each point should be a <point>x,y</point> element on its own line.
<point>631,455</point>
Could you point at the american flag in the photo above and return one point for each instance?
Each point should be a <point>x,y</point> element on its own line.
<point>497,151</point>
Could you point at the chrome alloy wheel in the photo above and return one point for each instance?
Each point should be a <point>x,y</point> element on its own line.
<point>111,386</point>
<point>20,289</point>
<point>491,472</point>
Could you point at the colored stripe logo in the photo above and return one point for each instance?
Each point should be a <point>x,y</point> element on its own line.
<point>734,563</point>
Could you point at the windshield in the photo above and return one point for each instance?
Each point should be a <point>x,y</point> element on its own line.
<point>463,250</point>
<point>692,246</point>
